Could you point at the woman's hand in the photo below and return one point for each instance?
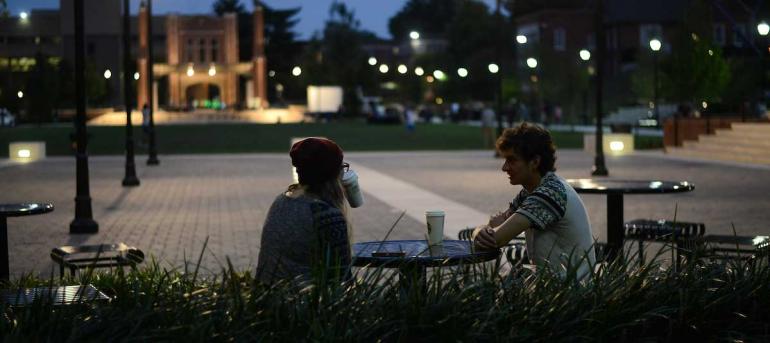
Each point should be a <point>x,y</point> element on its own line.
<point>484,237</point>
<point>499,218</point>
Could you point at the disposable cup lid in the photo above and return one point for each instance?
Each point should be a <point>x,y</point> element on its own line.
<point>434,213</point>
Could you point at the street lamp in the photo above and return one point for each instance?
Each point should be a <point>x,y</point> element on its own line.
<point>585,55</point>
<point>655,45</point>
<point>493,68</point>
<point>24,16</point>
<point>372,61</point>
<point>402,69</point>
<point>107,74</point>
<point>20,94</point>
<point>129,178</point>
<point>212,70</point>
<point>190,70</point>
<point>419,71</point>
<point>462,72</point>
<point>136,75</point>
<point>414,35</point>
<point>296,71</point>
<point>763,28</point>
<point>439,75</point>
<point>384,68</point>
<point>521,39</point>
<point>532,63</point>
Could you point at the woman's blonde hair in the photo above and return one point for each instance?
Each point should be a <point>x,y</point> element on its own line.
<point>331,192</point>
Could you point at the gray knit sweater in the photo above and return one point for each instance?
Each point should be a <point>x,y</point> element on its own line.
<point>303,236</point>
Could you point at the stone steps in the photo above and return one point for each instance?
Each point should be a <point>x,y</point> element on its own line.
<point>744,143</point>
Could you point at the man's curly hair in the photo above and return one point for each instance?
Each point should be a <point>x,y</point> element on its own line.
<point>528,141</point>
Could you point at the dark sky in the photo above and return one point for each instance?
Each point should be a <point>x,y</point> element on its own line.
<point>373,14</point>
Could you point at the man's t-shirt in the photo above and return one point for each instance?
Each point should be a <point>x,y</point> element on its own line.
<point>560,233</point>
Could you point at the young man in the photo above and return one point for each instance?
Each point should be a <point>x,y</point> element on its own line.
<point>547,209</point>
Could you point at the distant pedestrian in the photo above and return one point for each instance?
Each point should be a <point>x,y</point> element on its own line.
<point>410,117</point>
<point>146,121</point>
<point>488,128</point>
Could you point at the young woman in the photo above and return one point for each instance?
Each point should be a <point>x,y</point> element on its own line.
<point>548,210</point>
<point>306,232</point>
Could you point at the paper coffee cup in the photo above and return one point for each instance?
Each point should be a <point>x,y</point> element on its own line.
<point>352,191</point>
<point>435,223</point>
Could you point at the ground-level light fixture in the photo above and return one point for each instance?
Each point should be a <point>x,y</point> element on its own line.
<point>763,28</point>
<point>136,75</point>
<point>26,151</point>
<point>655,44</point>
<point>521,39</point>
<point>107,74</point>
<point>414,35</point>
<point>296,71</point>
<point>384,68</point>
<point>402,69</point>
<point>493,68</point>
<point>190,70</point>
<point>462,72</point>
<point>585,55</point>
<point>419,71</point>
<point>372,61</point>
<point>532,62</point>
<point>212,70</point>
<point>20,94</point>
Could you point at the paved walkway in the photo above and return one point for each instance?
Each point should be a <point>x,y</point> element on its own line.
<point>226,197</point>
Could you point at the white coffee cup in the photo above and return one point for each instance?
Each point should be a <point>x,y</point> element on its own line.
<point>352,191</point>
<point>435,223</point>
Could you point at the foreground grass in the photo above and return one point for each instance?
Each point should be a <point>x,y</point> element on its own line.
<point>252,138</point>
<point>625,303</point>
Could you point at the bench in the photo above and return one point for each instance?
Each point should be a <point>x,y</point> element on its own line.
<point>684,235</point>
<point>96,256</point>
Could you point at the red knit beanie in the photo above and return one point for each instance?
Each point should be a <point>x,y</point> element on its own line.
<point>317,160</point>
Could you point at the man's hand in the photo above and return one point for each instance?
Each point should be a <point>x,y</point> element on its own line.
<point>499,218</point>
<point>484,237</point>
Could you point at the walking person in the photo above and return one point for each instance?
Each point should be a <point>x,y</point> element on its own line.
<point>145,123</point>
<point>488,128</point>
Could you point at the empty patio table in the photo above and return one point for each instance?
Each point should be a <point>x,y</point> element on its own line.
<point>15,210</point>
<point>615,189</point>
<point>411,257</point>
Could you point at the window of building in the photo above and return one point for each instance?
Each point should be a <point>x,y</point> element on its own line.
<point>202,50</point>
<point>649,31</point>
<point>739,34</point>
<point>719,34</point>
<point>214,50</point>
<point>559,39</point>
<point>190,51</point>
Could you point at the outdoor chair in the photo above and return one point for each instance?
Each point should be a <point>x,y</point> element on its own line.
<point>57,296</point>
<point>96,256</point>
<point>731,247</point>
<point>685,236</point>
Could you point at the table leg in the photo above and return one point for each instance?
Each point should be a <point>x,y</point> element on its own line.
<point>411,276</point>
<point>615,230</point>
<point>4,270</point>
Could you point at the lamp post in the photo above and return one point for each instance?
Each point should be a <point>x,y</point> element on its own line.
<point>83,222</point>
<point>130,178</point>
<point>763,29</point>
<point>152,159</point>
<point>655,45</point>
<point>599,169</point>
<point>585,56</point>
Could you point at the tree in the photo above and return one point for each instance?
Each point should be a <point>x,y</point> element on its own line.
<point>429,17</point>
<point>221,7</point>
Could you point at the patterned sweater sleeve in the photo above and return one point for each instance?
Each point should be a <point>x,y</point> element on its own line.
<point>332,231</point>
<point>546,204</point>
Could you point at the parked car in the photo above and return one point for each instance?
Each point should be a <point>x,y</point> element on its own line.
<point>7,118</point>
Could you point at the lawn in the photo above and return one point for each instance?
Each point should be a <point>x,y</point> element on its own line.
<point>252,138</point>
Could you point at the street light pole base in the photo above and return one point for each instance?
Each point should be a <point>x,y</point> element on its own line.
<point>130,181</point>
<point>153,161</point>
<point>599,170</point>
<point>84,225</point>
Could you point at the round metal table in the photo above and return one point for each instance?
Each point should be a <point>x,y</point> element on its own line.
<point>15,210</point>
<point>416,257</point>
<point>615,189</point>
